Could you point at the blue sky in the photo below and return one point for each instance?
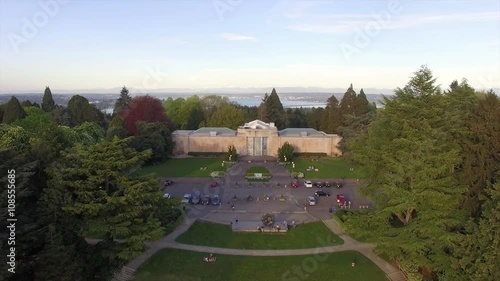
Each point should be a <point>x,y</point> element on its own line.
<point>77,44</point>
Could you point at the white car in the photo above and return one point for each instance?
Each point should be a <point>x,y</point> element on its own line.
<point>311,200</point>
<point>166,196</point>
<point>308,184</point>
<point>187,198</point>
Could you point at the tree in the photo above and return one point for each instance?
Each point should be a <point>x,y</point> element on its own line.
<point>80,111</point>
<point>93,185</point>
<point>271,110</point>
<point>116,128</point>
<point>476,255</point>
<point>146,109</point>
<point>191,114</point>
<point>364,105</point>
<point>356,126</point>
<point>13,111</point>
<point>331,117</point>
<point>210,104</point>
<point>18,173</point>
<point>228,116</point>
<point>35,120</point>
<point>231,154</point>
<point>415,190</point>
<point>285,152</point>
<point>268,220</point>
<point>48,103</point>
<point>480,165</point>
<point>348,105</point>
<point>174,111</point>
<point>315,117</point>
<point>15,138</point>
<point>296,118</point>
<point>122,102</point>
<point>155,137</point>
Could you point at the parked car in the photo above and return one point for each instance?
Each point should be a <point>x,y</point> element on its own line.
<point>327,184</point>
<point>341,200</point>
<point>166,196</point>
<point>311,201</point>
<point>319,184</point>
<point>186,198</point>
<point>308,184</point>
<point>294,184</point>
<point>216,200</point>
<point>205,200</point>
<point>168,183</point>
<point>321,193</point>
<point>339,184</point>
<point>196,198</point>
<point>214,184</point>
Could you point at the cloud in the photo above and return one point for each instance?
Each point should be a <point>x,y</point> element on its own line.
<point>238,37</point>
<point>350,23</point>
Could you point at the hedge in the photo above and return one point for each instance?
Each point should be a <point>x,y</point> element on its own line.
<point>207,154</point>
<point>309,154</point>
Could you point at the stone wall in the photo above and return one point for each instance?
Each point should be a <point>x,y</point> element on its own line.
<point>312,144</point>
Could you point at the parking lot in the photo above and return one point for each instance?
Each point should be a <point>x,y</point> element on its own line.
<point>269,197</point>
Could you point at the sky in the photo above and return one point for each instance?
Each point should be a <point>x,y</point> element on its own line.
<point>189,44</point>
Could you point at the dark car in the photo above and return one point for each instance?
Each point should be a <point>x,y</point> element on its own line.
<point>327,184</point>
<point>339,184</point>
<point>321,193</point>
<point>319,184</point>
<point>205,200</point>
<point>168,183</point>
<point>196,198</point>
<point>216,200</point>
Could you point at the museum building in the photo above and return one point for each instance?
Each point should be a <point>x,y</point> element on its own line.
<point>255,138</point>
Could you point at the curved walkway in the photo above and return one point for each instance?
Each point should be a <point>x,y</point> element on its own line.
<point>350,244</point>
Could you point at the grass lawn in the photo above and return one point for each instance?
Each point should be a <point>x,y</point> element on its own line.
<point>327,168</point>
<point>187,167</point>
<point>180,265</point>
<point>219,235</point>
<point>257,169</point>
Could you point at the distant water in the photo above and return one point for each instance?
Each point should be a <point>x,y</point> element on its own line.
<point>245,101</point>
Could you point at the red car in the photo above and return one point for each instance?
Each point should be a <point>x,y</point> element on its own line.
<point>341,200</point>
<point>214,184</point>
<point>294,184</point>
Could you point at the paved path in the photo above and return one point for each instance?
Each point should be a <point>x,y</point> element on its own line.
<point>350,244</point>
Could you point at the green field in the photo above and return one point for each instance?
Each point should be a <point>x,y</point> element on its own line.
<point>219,235</point>
<point>180,265</point>
<point>328,168</point>
<point>187,167</point>
<point>257,169</point>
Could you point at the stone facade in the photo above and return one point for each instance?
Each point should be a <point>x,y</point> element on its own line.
<point>255,138</point>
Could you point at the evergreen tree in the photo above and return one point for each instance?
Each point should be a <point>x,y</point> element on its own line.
<point>348,105</point>
<point>155,137</point>
<point>364,105</point>
<point>410,164</point>
<point>272,110</point>
<point>13,111</point>
<point>116,128</point>
<point>48,103</point>
<point>476,254</point>
<point>82,111</point>
<point>331,117</point>
<point>93,185</point>
<point>122,102</point>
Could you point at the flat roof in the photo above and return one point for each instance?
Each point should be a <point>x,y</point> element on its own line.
<point>219,131</point>
<point>298,132</point>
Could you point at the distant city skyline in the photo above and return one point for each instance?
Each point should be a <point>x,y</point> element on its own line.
<point>153,46</point>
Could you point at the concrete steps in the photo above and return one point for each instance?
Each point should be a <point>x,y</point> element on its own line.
<point>124,274</point>
<point>397,276</point>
